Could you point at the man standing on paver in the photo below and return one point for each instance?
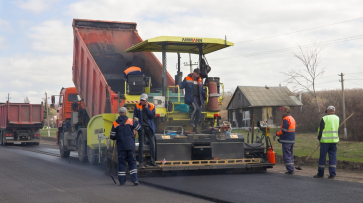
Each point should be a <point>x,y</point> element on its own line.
<point>328,137</point>
<point>145,112</point>
<point>194,96</point>
<point>287,139</point>
<point>123,132</point>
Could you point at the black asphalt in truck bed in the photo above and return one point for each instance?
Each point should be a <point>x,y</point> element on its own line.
<point>27,176</point>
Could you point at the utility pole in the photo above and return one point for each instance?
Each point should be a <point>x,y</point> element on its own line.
<point>46,106</point>
<point>300,100</point>
<point>190,62</point>
<point>191,65</point>
<point>8,97</point>
<point>345,124</point>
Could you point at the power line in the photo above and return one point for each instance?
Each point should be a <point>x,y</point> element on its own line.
<point>354,83</point>
<point>292,48</point>
<point>327,82</point>
<point>354,73</point>
<point>298,31</point>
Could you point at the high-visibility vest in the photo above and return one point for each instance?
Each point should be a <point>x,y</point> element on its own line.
<point>287,135</point>
<point>330,132</point>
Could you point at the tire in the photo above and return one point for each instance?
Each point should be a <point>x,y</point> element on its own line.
<point>92,157</point>
<point>1,137</point>
<point>82,148</point>
<point>3,142</point>
<point>63,153</point>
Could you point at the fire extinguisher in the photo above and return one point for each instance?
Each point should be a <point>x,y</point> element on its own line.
<point>270,152</point>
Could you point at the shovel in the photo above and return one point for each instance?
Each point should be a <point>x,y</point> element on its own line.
<point>113,155</point>
<point>299,167</point>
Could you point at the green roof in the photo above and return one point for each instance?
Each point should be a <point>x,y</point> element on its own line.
<point>180,44</point>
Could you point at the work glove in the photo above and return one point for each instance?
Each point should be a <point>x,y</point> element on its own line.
<point>136,119</point>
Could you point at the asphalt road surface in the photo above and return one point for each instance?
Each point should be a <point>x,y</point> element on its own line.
<point>38,174</point>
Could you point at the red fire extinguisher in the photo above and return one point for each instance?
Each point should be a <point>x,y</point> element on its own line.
<point>271,156</point>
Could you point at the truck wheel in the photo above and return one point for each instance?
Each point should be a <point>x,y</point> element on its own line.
<point>92,158</point>
<point>63,153</point>
<point>1,137</point>
<point>82,148</point>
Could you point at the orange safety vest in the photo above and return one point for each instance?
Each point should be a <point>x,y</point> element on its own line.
<point>140,107</point>
<point>128,122</point>
<point>132,69</point>
<point>292,125</point>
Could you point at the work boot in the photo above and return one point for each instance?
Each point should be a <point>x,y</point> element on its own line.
<point>331,177</point>
<point>192,124</point>
<point>141,165</point>
<point>136,183</point>
<point>154,164</point>
<point>290,172</point>
<point>196,131</point>
<point>317,176</point>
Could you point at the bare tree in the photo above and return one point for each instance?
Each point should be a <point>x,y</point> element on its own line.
<point>26,100</point>
<point>305,79</point>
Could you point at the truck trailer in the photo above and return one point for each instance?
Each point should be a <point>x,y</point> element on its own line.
<point>20,123</point>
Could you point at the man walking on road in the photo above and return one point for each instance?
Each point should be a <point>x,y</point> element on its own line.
<point>145,112</point>
<point>328,137</point>
<point>194,96</point>
<point>287,139</point>
<point>123,132</point>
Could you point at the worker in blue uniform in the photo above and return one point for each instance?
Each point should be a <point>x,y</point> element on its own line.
<point>194,96</point>
<point>123,132</point>
<point>131,70</point>
<point>145,112</point>
<point>287,139</point>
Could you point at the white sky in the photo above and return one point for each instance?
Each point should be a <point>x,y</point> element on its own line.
<point>36,38</point>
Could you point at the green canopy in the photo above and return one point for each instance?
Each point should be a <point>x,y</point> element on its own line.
<point>180,44</point>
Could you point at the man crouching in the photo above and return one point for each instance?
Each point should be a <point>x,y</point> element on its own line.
<point>123,132</point>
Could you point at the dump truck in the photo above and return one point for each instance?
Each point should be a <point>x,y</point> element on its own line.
<point>99,60</point>
<point>20,123</point>
<point>101,51</point>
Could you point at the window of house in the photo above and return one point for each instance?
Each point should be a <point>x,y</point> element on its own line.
<point>246,115</point>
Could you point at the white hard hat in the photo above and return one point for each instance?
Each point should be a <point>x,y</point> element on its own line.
<point>143,97</point>
<point>122,110</point>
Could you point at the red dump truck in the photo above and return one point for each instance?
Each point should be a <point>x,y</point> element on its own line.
<point>99,62</point>
<point>20,123</point>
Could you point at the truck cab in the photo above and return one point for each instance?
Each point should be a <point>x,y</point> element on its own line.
<point>72,118</point>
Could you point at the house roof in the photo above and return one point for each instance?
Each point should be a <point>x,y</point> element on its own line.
<point>271,96</point>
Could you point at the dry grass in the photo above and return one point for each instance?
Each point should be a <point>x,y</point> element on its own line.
<point>44,132</point>
<point>307,142</point>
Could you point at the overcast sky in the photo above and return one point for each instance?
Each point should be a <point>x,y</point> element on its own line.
<point>36,40</point>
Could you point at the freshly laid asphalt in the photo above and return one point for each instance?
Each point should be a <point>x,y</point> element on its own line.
<point>38,174</point>
<point>263,187</point>
<point>27,176</point>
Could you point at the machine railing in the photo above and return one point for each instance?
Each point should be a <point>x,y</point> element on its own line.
<point>207,93</point>
<point>167,94</point>
<point>221,98</point>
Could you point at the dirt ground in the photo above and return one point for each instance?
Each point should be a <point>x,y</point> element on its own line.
<point>48,142</point>
<point>343,175</point>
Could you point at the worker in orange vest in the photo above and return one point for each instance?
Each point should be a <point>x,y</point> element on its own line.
<point>132,70</point>
<point>287,139</point>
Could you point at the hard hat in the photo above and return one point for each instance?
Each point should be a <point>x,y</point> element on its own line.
<point>122,110</point>
<point>143,97</point>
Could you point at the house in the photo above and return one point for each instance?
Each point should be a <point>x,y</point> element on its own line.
<point>262,102</point>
